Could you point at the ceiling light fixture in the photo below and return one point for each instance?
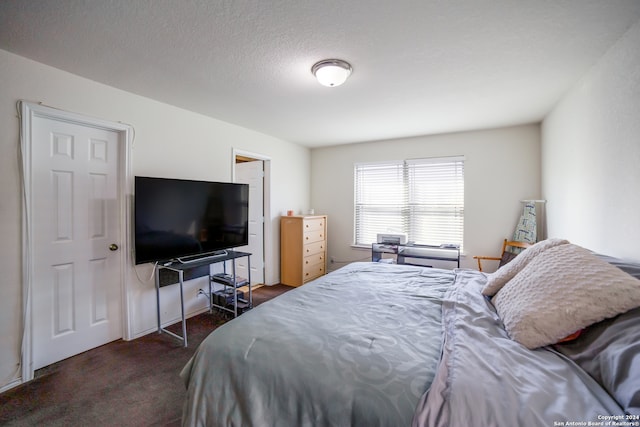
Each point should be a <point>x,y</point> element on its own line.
<point>331,72</point>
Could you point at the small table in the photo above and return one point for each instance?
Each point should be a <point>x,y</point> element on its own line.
<point>180,268</point>
<point>445,252</point>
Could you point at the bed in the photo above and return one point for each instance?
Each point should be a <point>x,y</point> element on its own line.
<point>376,344</point>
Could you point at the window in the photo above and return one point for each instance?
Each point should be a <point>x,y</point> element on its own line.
<point>423,198</point>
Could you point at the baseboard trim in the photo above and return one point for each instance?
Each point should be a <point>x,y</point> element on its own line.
<point>12,384</point>
<point>168,322</point>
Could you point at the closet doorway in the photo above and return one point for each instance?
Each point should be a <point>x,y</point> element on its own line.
<point>253,169</point>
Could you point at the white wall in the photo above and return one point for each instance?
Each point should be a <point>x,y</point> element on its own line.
<point>169,142</point>
<point>591,155</point>
<point>502,167</point>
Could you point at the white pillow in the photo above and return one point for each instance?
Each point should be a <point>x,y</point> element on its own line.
<point>505,273</point>
<point>564,289</point>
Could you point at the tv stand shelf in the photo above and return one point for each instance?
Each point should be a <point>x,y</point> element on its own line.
<point>180,268</point>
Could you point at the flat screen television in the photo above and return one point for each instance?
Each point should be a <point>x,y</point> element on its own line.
<point>178,219</point>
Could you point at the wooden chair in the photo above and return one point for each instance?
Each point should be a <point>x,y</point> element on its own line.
<point>506,255</point>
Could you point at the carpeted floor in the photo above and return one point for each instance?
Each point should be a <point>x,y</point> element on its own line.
<point>123,383</point>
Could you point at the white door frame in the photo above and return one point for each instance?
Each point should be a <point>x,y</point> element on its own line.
<point>29,111</point>
<point>266,208</point>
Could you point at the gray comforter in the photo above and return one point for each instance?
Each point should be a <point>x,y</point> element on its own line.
<point>389,345</point>
<point>485,379</point>
<point>357,347</point>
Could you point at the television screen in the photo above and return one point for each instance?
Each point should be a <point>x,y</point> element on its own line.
<point>177,218</point>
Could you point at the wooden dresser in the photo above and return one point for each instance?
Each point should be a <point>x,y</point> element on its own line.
<point>303,248</point>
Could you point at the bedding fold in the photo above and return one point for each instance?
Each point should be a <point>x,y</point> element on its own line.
<point>486,379</point>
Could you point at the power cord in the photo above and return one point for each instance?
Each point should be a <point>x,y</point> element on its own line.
<point>153,271</point>
<point>26,268</point>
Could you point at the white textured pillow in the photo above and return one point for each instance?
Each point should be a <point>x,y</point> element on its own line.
<point>564,289</point>
<point>505,273</point>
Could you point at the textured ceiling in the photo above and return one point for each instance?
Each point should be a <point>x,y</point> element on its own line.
<point>420,67</point>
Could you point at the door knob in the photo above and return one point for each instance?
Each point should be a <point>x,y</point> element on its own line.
<point>113,247</point>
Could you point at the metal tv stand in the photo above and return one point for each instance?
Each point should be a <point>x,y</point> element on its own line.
<point>180,267</point>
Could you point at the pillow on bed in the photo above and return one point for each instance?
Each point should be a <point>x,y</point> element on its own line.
<point>505,273</point>
<point>627,266</point>
<point>609,351</point>
<point>562,290</point>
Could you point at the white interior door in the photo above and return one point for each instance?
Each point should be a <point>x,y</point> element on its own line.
<point>76,283</point>
<point>252,173</point>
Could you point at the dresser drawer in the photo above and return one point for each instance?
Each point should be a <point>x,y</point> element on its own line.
<point>314,259</point>
<point>313,224</point>
<point>312,271</point>
<point>314,248</point>
<point>313,236</point>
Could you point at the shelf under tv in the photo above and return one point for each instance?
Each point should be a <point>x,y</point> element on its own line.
<point>179,268</point>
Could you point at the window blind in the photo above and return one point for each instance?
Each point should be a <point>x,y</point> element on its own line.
<point>421,197</point>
